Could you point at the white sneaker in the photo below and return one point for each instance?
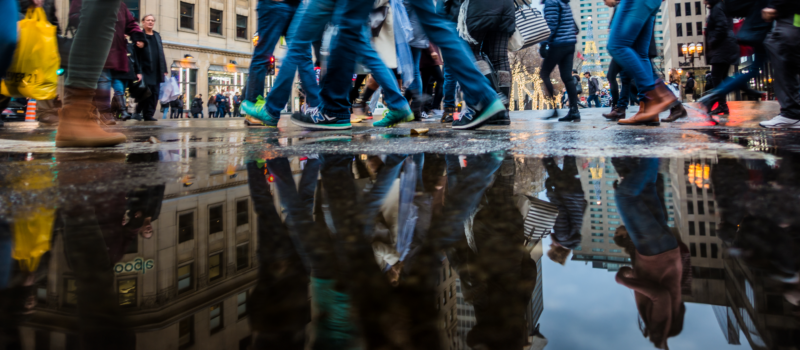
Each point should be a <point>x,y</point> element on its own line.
<point>437,112</point>
<point>425,115</point>
<point>781,122</point>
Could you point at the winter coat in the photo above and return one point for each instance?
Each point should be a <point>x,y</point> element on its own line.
<point>721,46</point>
<point>384,42</point>
<point>563,32</point>
<point>197,105</point>
<point>148,67</point>
<point>419,40</point>
<point>126,24</point>
<point>490,16</point>
<point>594,85</point>
<point>133,66</point>
<point>785,8</point>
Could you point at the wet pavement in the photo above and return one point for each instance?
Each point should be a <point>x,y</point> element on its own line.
<point>205,234</point>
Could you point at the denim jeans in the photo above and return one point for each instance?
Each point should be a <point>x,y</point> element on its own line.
<point>92,43</point>
<point>8,34</point>
<point>298,56</point>
<point>382,74</point>
<point>592,98</point>
<point>442,32</point>
<point>164,112</point>
<point>119,86</point>
<point>273,18</point>
<point>449,87</point>
<point>641,210</point>
<point>337,81</point>
<point>630,40</point>
<point>416,85</point>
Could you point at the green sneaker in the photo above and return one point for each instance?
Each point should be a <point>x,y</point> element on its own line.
<point>258,111</point>
<point>394,117</point>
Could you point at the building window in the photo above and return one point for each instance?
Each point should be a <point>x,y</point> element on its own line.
<point>241,302</point>
<point>702,228</point>
<point>215,222</point>
<point>714,250</point>
<point>70,297</point>
<point>597,250</point>
<point>679,29</point>
<point>690,207</point>
<point>241,27</point>
<point>605,15</point>
<point>216,22</point>
<point>691,228</point>
<point>693,249</point>
<point>242,212</point>
<point>186,332</point>
<point>699,28</point>
<point>187,15</point>
<point>703,252</point>
<point>680,53</point>
<point>185,227</point>
<point>133,6</point>
<point>215,318</point>
<point>215,267</point>
<point>712,228</point>
<point>700,208</point>
<point>698,9</point>
<point>689,29</point>
<point>689,189</point>
<point>677,10</point>
<point>711,209</point>
<point>688,7</point>
<point>126,290</point>
<point>242,256</point>
<point>185,278</point>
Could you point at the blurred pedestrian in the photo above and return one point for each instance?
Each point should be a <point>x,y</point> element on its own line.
<point>559,50</point>
<point>594,90</point>
<point>212,107</point>
<point>237,101</point>
<point>177,108</point>
<point>783,45</point>
<point>688,88</point>
<point>154,66</point>
<point>722,51</point>
<point>197,106</point>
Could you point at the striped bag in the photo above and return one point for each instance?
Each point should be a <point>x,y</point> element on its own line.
<point>530,24</point>
<point>540,219</point>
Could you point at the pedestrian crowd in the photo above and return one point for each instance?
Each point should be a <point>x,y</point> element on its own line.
<point>418,53</point>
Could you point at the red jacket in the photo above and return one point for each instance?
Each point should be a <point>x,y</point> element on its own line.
<point>126,24</point>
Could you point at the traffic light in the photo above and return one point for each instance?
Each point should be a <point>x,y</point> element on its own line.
<point>271,67</point>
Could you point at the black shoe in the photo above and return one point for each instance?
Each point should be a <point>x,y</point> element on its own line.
<point>572,116</point>
<point>447,116</point>
<point>721,110</point>
<point>552,116</point>
<point>500,119</point>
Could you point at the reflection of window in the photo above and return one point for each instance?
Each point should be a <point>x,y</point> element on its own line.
<point>185,278</point>
<point>214,267</point>
<point>241,302</point>
<point>242,256</point>
<point>690,207</point>
<point>215,26</point>
<point>699,28</point>
<point>242,212</point>
<point>702,228</point>
<point>215,318</point>
<point>700,208</point>
<point>186,332</point>
<point>597,250</point>
<point>712,228</point>
<point>693,249</point>
<point>215,223</point>
<point>185,227</point>
<point>70,298</point>
<point>691,228</point>
<point>241,27</point>
<point>126,289</point>
<point>714,250</point>
<point>187,15</point>
<point>703,253</point>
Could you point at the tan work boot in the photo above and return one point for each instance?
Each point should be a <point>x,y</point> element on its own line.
<point>107,118</point>
<point>78,123</point>
<point>640,118</point>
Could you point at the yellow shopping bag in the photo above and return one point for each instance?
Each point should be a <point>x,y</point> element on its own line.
<point>33,72</point>
<point>32,236</point>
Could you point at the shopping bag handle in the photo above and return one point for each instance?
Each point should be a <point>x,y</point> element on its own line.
<point>36,13</point>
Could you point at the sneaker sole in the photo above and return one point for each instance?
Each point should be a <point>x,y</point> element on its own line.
<point>786,126</point>
<point>95,142</point>
<point>498,122</point>
<point>407,119</point>
<point>322,126</point>
<point>495,108</point>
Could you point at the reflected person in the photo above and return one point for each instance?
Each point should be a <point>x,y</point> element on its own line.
<point>564,189</point>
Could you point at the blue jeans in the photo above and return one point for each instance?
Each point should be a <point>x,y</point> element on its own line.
<point>740,81</point>
<point>630,40</point>
<point>416,85</point>
<point>298,56</point>
<point>449,87</point>
<point>119,86</point>
<point>337,82</point>
<point>641,210</point>
<point>164,112</point>
<point>382,74</point>
<point>8,34</point>
<point>273,17</point>
<point>594,98</point>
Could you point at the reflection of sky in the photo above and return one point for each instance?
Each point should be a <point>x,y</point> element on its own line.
<point>585,308</point>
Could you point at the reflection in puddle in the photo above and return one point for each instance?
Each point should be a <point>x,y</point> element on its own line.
<point>186,249</point>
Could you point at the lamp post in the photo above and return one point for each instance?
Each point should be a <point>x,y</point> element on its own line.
<point>689,53</point>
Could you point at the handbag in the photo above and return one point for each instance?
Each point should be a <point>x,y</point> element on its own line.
<point>531,24</point>
<point>515,42</point>
<point>377,17</point>
<point>540,218</point>
<point>139,90</point>
<point>33,72</point>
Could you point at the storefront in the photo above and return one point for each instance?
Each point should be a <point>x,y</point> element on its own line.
<point>185,73</point>
<point>226,79</point>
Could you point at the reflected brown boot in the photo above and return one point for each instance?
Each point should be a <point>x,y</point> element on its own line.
<point>676,113</point>
<point>78,125</point>
<point>615,114</point>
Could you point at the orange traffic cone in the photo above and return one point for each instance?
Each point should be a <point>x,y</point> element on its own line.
<point>30,111</point>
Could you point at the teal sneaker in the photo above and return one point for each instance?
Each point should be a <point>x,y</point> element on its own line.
<point>313,118</point>
<point>258,111</point>
<point>394,117</point>
<point>472,118</point>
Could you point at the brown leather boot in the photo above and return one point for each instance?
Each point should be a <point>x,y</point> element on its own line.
<point>107,118</point>
<point>638,118</point>
<point>78,125</point>
<point>676,113</point>
<point>615,114</point>
<point>657,100</point>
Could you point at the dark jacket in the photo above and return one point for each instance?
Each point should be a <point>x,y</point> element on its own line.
<point>689,84</point>
<point>126,24</point>
<point>144,58</point>
<point>490,16</point>
<point>785,8</point>
<point>197,105</point>
<point>133,66</point>
<point>178,103</point>
<point>563,31</point>
<point>451,9</point>
<point>594,85</point>
<point>565,191</point>
<point>721,46</point>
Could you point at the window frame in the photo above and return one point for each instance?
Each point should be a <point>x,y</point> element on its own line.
<point>221,22</point>
<point>239,247</point>
<point>190,287</point>
<point>241,315</point>
<point>181,16</point>
<point>220,265</point>
<point>246,26</point>
<point>221,307</point>
<point>221,207</point>
<point>677,9</point>
<point>135,292</point>
<point>191,212</point>
<point>190,322</point>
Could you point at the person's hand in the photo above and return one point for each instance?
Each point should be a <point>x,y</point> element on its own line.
<point>611,3</point>
<point>140,44</point>
<point>769,14</point>
<point>139,76</point>
<point>435,56</point>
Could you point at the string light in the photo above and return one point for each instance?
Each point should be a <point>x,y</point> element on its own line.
<point>519,88</point>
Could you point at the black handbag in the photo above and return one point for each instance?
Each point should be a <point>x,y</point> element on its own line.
<point>139,90</point>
